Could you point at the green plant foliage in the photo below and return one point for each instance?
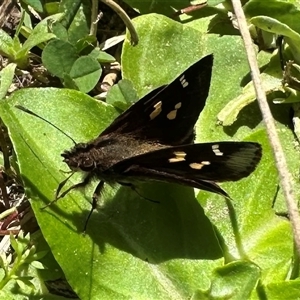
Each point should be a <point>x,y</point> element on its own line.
<point>18,53</point>
<point>192,244</point>
<point>170,38</point>
<point>122,95</point>
<point>16,268</point>
<point>102,57</point>
<point>59,57</point>
<point>234,281</point>
<point>272,84</point>
<point>62,59</point>
<point>162,7</point>
<point>113,240</point>
<point>6,76</point>
<point>277,17</point>
<point>282,11</point>
<point>76,18</point>
<point>85,72</point>
<point>166,7</point>
<point>162,251</point>
<point>36,4</point>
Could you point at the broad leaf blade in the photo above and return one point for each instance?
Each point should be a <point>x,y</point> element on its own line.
<point>129,238</point>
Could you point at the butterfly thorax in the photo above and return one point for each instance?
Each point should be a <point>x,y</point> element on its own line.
<point>102,153</point>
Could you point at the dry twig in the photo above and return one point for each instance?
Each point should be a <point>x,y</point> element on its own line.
<point>285,177</point>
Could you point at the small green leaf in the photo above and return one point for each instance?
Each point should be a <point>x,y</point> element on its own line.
<point>33,40</point>
<point>286,13</point>
<point>122,95</point>
<point>60,31</point>
<point>86,72</point>
<point>36,5</point>
<point>3,262</point>
<point>39,255</point>
<point>15,245</point>
<point>76,19</point>
<point>44,25</point>
<point>7,45</point>
<point>59,57</point>
<point>281,290</point>
<point>234,281</point>
<point>24,282</point>
<point>86,44</point>
<point>102,56</point>
<point>37,265</point>
<point>6,78</point>
<point>272,25</point>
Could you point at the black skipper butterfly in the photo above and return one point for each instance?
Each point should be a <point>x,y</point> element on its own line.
<point>153,140</point>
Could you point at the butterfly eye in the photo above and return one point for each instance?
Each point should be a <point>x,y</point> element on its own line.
<point>87,164</point>
<point>73,164</point>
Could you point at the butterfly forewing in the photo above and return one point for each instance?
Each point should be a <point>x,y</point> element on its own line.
<point>168,114</point>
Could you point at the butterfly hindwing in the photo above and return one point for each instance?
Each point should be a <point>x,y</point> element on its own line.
<point>168,114</point>
<point>220,161</point>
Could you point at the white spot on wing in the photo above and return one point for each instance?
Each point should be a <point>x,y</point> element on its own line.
<point>199,166</point>
<point>157,105</point>
<point>176,159</point>
<point>183,81</point>
<point>185,84</point>
<point>157,110</point>
<point>178,105</point>
<point>196,166</point>
<point>216,150</point>
<point>180,153</point>
<point>172,114</point>
<point>179,156</point>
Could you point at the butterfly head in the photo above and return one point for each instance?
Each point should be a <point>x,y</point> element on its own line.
<point>78,158</point>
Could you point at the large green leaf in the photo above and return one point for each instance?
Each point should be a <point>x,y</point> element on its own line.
<point>258,225</point>
<point>128,234</point>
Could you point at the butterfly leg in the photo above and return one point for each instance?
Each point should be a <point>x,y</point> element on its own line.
<point>83,183</point>
<point>133,187</point>
<point>95,199</point>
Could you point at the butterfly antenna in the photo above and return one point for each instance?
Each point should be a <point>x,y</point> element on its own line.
<point>34,114</point>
